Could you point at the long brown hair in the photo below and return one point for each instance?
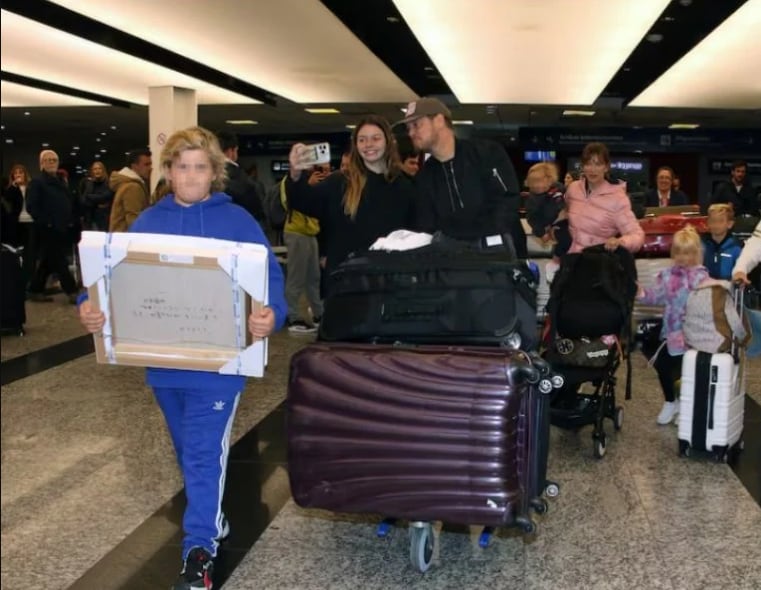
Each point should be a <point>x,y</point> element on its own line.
<point>27,177</point>
<point>356,175</point>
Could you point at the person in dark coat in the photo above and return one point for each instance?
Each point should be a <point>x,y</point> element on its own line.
<point>467,189</point>
<point>96,198</point>
<point>239,185</point>
<point>665,195</point>
<point>738,192</point>
<point>50,205</point>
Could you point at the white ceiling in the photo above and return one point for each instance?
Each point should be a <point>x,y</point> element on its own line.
<point>38,51</point>
<point>561,52</point>
<point>295,48</point>
<point>722,72</point>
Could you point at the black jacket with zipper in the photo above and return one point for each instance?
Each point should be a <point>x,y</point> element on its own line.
<point>471,196</point>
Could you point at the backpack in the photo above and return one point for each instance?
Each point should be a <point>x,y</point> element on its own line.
<point>592,295</point>
<point>712,322</point>
<point>276,213</point>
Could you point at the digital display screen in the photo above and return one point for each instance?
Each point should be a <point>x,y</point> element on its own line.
<point>539,156</point>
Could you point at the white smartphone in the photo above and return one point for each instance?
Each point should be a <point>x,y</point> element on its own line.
<point>318,153</point>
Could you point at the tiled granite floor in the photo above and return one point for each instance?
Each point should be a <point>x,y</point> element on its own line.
<point>89,499</point>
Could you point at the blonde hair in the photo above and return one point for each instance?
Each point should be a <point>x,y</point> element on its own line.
<point>544,169</point>
<point>722,208</point>
<point>196,138</point>
<point>687,241</point>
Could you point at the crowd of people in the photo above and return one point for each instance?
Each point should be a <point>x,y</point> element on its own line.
<point>467,189</point>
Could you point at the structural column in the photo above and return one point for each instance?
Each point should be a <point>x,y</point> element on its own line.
<point>170,108</point>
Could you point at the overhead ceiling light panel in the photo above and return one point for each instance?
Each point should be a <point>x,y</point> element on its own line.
<point>18,95</point>
<point>241,122</point>
<point>684,126</point>
<point>34,50</point>
<point>500,51</point>
<point>323,111</point>
<point>463,122</point>
<point>719,72</point>
<point>578,113</point>
<point>324,63</point>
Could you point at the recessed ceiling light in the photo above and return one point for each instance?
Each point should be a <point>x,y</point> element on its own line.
<point>577,113</point>
<point>102,132</point>
<point>97,139</point>
<point>75,147</point>
<point>2,126</point>
<point>97,156</point>
<point>45,145</point>
<point>74,154</point>
<point>323,111</point>
<point>429,68</point>
<point>113,127</point>
<point>392,19</point>
<point>241,122</point>
<point>654,38</point>
<point>27,113</point>
<point>462,122</point>
<point>684,126</point>
<point>8,141</point>
<point>351,126</point>
<point>103,150</point>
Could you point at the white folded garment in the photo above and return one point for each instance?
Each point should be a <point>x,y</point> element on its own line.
<point>402,239</point>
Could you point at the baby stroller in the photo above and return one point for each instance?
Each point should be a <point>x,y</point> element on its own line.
<point>587,336</point>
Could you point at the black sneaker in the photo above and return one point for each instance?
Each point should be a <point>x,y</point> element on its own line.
<point>196,573</point>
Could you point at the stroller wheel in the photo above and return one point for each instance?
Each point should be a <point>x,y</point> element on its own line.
<point>618,418</point>
<point>600,446</point>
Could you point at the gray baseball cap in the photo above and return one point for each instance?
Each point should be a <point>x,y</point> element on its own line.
<point>425,107</point>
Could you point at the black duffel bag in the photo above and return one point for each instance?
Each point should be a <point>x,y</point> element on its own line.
<point>432,295</point>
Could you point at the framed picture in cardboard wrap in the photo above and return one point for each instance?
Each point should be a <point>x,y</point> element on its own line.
<point>176,302</point>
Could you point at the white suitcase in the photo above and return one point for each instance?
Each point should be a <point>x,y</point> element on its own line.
<point>711,404</point>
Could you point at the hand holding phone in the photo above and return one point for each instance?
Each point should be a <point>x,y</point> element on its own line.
<point>304,157</point>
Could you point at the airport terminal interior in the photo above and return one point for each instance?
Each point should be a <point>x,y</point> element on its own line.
<point>91,494</point>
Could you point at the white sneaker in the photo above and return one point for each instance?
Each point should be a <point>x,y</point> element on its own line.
<point>668,412</point>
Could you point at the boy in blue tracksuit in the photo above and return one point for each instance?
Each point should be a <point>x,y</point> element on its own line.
<point>199,407</point>
<point>720,248</point>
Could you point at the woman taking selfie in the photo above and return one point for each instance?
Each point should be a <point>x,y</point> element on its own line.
<point>369,200</point>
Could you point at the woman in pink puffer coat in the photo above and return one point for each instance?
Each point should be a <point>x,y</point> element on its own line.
<point>599,211</point>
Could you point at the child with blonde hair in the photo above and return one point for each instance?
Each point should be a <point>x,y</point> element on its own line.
<point>546,212</point>
<point>721,248</point>
<point>671,288</point>
<point>199,407</point>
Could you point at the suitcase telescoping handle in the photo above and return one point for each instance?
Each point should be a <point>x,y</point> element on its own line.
<point>738,295</point>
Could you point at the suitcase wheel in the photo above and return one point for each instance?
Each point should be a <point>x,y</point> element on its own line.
<point>527,525</point>
<point>421,545</point>
<point>552,489</point>
<point>684,448</point>
<point>539,505</point>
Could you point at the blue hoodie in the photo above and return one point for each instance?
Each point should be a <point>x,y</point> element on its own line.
<point>217,217</point>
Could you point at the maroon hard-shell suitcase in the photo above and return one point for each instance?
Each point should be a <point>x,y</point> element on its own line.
<point>428,433</point>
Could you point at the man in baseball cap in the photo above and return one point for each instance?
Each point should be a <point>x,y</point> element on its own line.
<point>425,107</point>
<point>468,188</point>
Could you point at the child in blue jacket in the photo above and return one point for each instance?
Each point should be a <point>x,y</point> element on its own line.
<point>199,407</point>
<point>720,248</point>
